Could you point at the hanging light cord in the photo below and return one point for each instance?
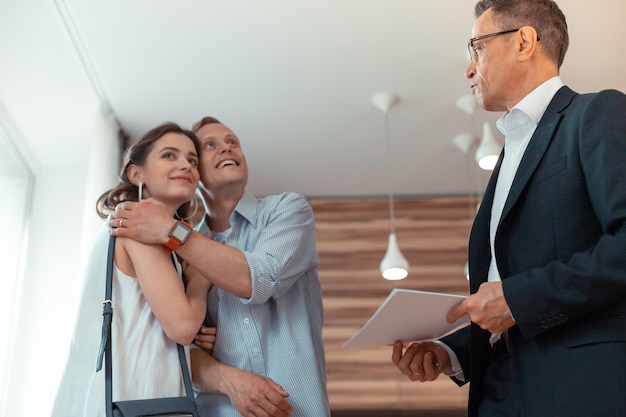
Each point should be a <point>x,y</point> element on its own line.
<point>392,226</point>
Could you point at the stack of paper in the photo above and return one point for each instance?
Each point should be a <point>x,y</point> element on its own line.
<point>408,315</point>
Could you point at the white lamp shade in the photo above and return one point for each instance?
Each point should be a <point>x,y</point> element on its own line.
<point>488,151</point>
<point>464,141</point>
<point>384,101</point>
<point>467,104</point>
<point>394,265</point>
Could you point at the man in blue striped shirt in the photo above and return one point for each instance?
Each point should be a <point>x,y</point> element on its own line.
<point>266,302</point>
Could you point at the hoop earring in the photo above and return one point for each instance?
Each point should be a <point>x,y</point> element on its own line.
<point>193,213</point>
<point>140,192</point>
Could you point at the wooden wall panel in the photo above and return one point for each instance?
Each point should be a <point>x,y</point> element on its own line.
<point>352,239</point>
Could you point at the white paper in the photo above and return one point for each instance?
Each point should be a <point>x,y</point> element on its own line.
<point>408,315</point>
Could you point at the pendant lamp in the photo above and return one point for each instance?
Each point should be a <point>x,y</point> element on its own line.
<point>488,151</point>
<point>394,265</point>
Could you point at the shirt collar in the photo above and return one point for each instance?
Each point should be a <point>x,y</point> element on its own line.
<point>531,108</point>
<point>246,207</point>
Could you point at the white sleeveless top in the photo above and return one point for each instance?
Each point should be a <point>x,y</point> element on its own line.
<point>145,361</point>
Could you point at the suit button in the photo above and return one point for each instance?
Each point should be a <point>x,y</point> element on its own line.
<point>544,324</point>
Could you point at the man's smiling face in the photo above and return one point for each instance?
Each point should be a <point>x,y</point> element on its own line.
<point>222,161</point>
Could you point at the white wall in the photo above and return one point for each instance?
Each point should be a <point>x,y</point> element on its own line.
<point>48,291</point>
<point>16,188</point>
<point>45,93</point>
<point>63,224</point>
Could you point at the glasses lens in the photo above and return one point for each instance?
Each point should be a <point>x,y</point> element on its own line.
<point>470,50</point>
<point>470,45</point>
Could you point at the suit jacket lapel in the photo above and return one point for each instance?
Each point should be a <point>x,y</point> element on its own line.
<point>537,146</point>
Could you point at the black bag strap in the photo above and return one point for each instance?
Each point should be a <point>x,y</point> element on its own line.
<point>107,309</point>
<point>185,370</point>
<point>105,342</point>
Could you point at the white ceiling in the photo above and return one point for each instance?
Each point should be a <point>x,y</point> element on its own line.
<point>294,80</point>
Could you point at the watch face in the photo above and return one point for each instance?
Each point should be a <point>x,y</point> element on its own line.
<point>180,232</point>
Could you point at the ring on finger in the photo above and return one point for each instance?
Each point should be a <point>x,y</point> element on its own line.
<point>121,221</point>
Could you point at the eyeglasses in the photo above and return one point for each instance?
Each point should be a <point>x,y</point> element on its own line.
<point>473,53</point>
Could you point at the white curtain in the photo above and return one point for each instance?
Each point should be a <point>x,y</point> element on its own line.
<point>45,295</point>
<point>16,188</point>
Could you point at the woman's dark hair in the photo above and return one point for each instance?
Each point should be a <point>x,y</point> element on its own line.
<point>137,154</point>
<point>543,15</point>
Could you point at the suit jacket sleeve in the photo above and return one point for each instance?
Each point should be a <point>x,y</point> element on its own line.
<point>460,342</point>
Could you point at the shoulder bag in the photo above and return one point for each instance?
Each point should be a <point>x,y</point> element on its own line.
<point>163,407</point>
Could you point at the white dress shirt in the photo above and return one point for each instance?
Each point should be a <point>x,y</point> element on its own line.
<point>517,126</point>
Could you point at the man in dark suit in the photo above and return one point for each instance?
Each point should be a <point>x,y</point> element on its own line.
<point>547,250</point>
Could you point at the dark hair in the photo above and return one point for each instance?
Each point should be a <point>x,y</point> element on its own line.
<point>543,15</point>
<point>137,154</point>
<point>207,120</point>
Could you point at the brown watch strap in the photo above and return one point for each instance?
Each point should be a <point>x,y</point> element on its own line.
<point>173,243</point>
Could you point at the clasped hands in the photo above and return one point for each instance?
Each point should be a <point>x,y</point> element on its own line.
<point>426,360</point>
<point>251,394</point>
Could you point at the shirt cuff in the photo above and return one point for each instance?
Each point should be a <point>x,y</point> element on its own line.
<point>455,366</point>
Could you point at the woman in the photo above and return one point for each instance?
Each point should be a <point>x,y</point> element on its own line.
<point>152,310</point>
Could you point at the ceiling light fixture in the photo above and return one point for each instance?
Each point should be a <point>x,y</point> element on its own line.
<point>467,103</point>
<point>394,265</point>
<point>488,151</point>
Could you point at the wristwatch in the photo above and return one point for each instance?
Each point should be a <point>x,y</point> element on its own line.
<point>178,235</point>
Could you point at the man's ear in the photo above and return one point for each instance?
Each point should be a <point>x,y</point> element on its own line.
<point>133,172</point>
<point>527,38</point>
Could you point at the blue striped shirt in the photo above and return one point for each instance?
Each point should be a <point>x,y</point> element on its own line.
<point>277,332</point>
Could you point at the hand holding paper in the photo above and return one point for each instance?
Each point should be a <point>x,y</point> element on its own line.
<point>487,308</point>
<point>421,361</point>
<point>408,315</point>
